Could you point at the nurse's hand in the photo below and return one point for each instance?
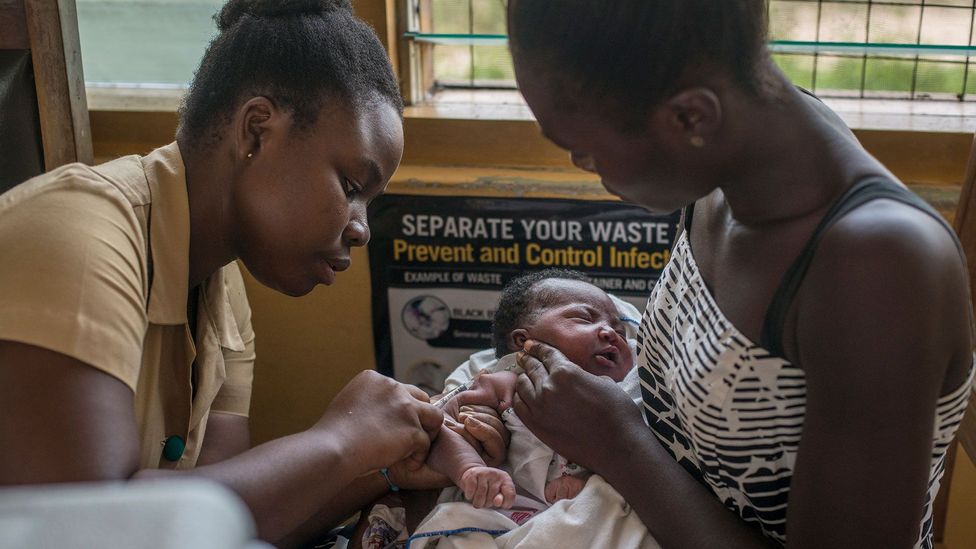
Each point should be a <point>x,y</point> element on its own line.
<point>376,422</point>
<point>581,416</point>
<point>406,476</point>
<point>486,432</point>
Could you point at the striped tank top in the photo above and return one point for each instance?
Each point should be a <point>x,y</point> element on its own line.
<point>731,411</point>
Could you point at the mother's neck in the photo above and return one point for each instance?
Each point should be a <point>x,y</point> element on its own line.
<point>794,157</point>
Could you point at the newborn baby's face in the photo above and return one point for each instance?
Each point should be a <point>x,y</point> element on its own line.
<point>583,323</point>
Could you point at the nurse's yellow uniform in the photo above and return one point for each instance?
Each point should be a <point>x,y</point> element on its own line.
<point>94,264</point>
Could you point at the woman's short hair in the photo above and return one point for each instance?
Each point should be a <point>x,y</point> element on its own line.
<point>520,299</point>
<point>622,57</point>
<point>300,54</point>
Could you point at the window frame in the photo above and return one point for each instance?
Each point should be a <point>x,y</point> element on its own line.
<point>417,40</point>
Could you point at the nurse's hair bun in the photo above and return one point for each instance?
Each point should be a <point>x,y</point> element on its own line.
<point>234,10</point>
<point>300,54</point>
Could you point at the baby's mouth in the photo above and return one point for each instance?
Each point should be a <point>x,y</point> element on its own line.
<point>609,354</point>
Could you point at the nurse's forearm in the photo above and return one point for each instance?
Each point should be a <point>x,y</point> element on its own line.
<point>287,481</point>
<point>356,496</point>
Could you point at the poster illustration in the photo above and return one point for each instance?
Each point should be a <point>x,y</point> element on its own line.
<point>439,263</point>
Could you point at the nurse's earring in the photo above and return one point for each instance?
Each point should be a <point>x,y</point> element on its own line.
<point>697,141</point>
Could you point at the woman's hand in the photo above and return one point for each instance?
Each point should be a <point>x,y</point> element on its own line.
<point>484,429</point>
<point>407,476</point>
<point>378,422</point>
<point>480,425</point>
<point>579,415</point>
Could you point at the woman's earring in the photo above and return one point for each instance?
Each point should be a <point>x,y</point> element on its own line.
<point>250,155</point>
<point>697,141</point>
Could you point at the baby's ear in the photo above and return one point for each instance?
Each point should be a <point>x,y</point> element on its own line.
<point>516,340</point>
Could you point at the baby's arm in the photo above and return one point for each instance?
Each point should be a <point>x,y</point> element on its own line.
<point>453,456</point>
<point>482,485</point>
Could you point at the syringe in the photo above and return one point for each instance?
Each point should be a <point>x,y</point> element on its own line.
<point>506,362</point>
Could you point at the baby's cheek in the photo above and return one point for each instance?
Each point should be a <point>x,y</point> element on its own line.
<point>628,354</point>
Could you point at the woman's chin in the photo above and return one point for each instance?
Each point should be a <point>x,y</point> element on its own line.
<point>292,287</point>
<point>296,292</point>
<point>303,287</point>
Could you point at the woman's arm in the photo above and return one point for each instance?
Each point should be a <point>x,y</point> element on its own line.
<point>875,337</point>
<point>486,432</point>
<point>227,436</point>
<point>879,338</point>
<point>608,436</point>
<point>75,423</point>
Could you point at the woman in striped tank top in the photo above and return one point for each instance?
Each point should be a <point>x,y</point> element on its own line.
<point>806,355</point>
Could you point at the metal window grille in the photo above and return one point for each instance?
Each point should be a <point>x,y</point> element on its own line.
<point>891,49</point>
<point>905,49</point>
<point>480,63</point>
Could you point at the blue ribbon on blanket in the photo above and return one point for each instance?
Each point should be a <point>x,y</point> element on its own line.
<point>454,532</point>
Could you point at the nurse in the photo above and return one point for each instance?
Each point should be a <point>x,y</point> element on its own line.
<point>806,356</point>
<point>126,347</point>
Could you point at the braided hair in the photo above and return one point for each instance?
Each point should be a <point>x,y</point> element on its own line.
<point>300,54</point>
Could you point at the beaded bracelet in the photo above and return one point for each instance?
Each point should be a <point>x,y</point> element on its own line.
<point>386,474</point>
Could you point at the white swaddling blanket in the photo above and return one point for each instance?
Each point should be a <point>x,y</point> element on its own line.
<point>597,517</point>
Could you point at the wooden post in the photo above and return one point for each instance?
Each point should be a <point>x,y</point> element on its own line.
<point>52,28</point>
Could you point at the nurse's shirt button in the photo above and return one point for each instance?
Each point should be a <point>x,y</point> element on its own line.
<point>173,448</point>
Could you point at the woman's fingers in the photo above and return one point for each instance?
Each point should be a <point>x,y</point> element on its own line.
<point>493,439</point>
<point>533,369</point>
<point>543,352</point>
<point>415,460</point>
<point>518,404</point>
<point>421,441</point>
<point>486,414</point>
<point>417,393</point>
<point>525,391</point>
<point>538,360</point>
<point>431,419</point>
<point>406,476</point>
<point>485,426</point>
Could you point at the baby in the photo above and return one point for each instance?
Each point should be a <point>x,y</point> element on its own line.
<point>558,307</point>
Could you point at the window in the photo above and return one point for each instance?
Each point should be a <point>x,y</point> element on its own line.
<point>905,49</point>
<point>884,49</point>
<point>483,63</point>
<point>144,43</point>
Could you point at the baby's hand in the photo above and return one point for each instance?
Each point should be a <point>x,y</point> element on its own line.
<point>564,487</point>
<point>487,486</point>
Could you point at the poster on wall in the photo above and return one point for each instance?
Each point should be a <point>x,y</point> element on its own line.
<point>438,265</point>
